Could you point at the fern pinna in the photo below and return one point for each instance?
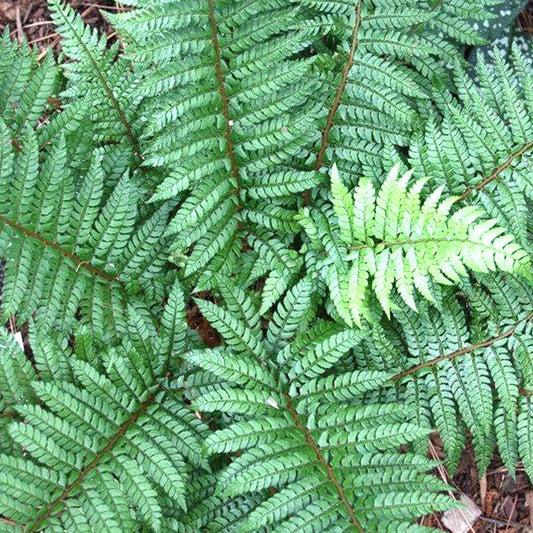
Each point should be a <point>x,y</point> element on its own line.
<point>256,253</point>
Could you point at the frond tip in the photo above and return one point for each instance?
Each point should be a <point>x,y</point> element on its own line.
<point>391,238</point>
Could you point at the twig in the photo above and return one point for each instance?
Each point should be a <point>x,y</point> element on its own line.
<point>44,38</point>
<point>35,24</point>
<point>20,32</point>
<point>483,491</point>
<point>511,513</point>
<point>523,528</point>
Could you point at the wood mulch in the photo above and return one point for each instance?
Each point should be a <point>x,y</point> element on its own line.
<point>30,19</point>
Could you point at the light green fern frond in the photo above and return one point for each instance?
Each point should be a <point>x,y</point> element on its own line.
<point>392,240</point>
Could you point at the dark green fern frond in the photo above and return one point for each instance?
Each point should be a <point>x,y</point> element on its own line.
<point>476,374</point>
<point>227,99</point>
<point>26,87</point>
<point>333,462</point>
<point>458,386</point>
<point>67,246</point>
<point>106,450</point>
<point>387,59</point>
<point>482,149</point>
<point>97,76</point>
<point>209,511</point>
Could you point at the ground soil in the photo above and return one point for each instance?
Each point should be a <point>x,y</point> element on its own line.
<point>502,500</point>
<point>30,19</point>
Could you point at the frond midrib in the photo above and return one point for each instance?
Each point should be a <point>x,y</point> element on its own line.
<point>462,351</point>
<point>230,147</point>
<point>495,174</point>
<point>330,473</point>
<point>77,260</point>
<point>342,86</point>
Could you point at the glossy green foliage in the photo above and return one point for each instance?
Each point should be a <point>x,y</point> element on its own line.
<point>98,439</point>
<point>227,113</point>
<point>99,80</point>
<point>481,150</point>
<point>73,244</point>
<point>239,111</point>
<point>334,463</point>
<point>181,175</point>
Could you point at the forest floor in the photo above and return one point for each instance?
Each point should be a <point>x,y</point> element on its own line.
<point>505,504</point>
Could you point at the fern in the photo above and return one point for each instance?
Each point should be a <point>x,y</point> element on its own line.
<point>481,150</point>
<point>102,444</point>
<point>392,240</point>
<point>227,114</point>
<point>26,87</point>
<point>239,111</point>
<point>389,55</point>
<point>335,463</point>
<point>98,77</point>
<point>66,248</point>
<point>179,176</point>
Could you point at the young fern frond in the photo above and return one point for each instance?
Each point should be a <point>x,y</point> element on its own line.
<point>390,240</point>
<point>107,449</point>
<point>334,462</point>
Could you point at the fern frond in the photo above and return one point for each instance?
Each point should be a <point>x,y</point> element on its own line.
<point>335,464</point>
<point>381,81</point>
<point>97,75</point>
<point>66,248</point>
<point>392,240</point>
<point>108,448</point>
<point>227,113</point>
<point>25,85</point>
<point>481,151</point>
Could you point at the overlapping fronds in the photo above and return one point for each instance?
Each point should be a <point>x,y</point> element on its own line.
<point>335,464</point>
<point>381,82</point>
<point>355,321</point>
<point>98,440</point>
<point>481,150</point>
